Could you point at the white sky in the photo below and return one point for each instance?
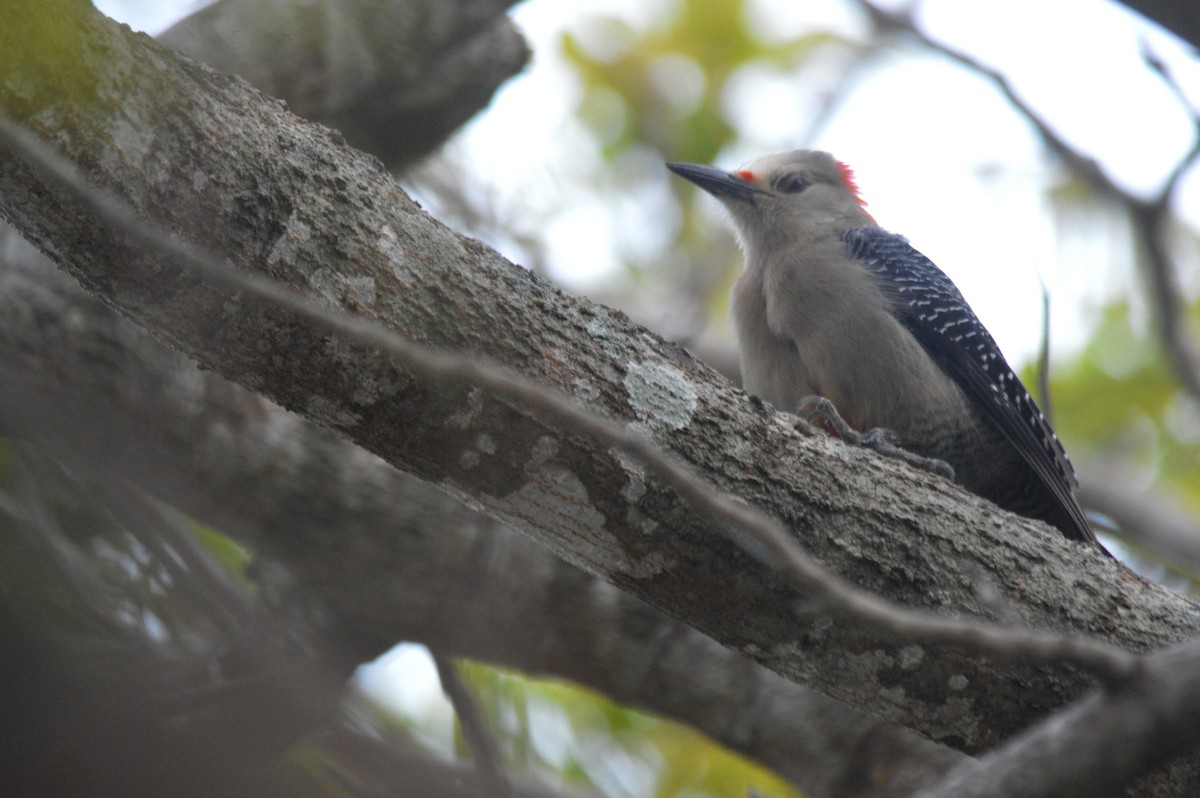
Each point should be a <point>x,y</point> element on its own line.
<point>940,156</point>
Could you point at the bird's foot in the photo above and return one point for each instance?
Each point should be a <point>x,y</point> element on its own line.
<point>819,411</point>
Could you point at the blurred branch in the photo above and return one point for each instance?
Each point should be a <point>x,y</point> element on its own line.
<point>1096,745</point>
<point>382,770</point>
<point>395,77</point>
<point>484,749</point>
<point>1150,218</point>
<point>1149,522</point>
<point>1043,359</point>
<point>1179,18</point>
<point>117,682</point>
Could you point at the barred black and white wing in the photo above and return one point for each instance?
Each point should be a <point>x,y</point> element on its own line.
<point>931,307</point>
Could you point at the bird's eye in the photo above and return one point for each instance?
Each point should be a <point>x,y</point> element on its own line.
<point>791,184</point>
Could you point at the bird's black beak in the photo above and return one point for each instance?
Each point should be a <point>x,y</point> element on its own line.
<point>714,181</point>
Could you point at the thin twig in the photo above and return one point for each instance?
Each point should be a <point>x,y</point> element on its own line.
<point>753,531</point>
<point>482,742</point>
<point>1043,361</point>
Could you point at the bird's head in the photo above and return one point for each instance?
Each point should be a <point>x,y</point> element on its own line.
<point>784,193</point>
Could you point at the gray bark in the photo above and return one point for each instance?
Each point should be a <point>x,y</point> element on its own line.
<point>1090,748</point>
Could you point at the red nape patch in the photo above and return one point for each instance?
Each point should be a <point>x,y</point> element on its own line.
<point>747,175</point>
<point>848,179</point>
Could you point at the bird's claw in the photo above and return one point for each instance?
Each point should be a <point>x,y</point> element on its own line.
<point>819,411</point>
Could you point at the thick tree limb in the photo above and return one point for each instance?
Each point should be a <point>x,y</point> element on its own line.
<point>94,387</point>
<point>307,208</point>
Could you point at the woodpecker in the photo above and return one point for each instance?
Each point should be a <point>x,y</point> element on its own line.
<point>832,305</point>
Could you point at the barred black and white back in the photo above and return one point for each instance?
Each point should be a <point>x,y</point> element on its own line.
<point>928,304</point>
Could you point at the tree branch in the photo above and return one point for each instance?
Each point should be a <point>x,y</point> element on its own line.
<point>409,562</point>
<point>1101,742</point>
